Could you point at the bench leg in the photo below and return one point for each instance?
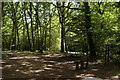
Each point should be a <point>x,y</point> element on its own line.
<point>82,65</point>
<point>77,65</point>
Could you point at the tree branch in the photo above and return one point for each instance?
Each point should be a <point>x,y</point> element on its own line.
<point>65,7</point>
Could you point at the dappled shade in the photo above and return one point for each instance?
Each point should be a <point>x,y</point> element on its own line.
<point>47,66</point>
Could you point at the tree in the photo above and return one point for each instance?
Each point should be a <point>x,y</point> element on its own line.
<point>27,26</point>
<point>79,26</point>
<point>30,14</point>
<point>88,30</point>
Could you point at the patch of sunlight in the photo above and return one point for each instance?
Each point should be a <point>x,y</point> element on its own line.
<point>25,72</point>
<point>49,65</point>
<point>95,69</point>
<point>28,72</point>
<point>78,76</point>
<point>51,61</point>
<point>59,76</point>
<point>48,55</point>
<point>67,62</point>
<point>2,62</point>
<point>30,57</point>
<point>30,67</point>
<point>17,70</point>
<point>27,57</point>
<point>10,53</point>
<point>47,68</point>
<point>8,66</point>
<point>0,67</point>
<point>44,61</point>
<point>36,60</point>
<point>59,63</point>
<point>17,58</point>
<point>38,71</point>
<point>84,75</point>
<point>115,78</point>
<point>92,78</point>
<point>89,75</point>
<point>33,79</point>
<point>25,63</point>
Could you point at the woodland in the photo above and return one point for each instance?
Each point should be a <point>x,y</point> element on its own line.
<point>60,40</point>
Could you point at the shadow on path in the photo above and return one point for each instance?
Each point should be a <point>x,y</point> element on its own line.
<point>43,67</point>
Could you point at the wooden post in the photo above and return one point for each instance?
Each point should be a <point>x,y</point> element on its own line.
<point>87,59</point>
<point>77,64</point>
<point>108,53</point>
<point>105,56</point>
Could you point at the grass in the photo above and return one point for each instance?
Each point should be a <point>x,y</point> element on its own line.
<point>117,73</point>
<point>115,62</point>
<point>3,54</point>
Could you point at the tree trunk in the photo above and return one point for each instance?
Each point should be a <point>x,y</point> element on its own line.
<point>88,31</point>
<point>23,34</point>
<point>13,17</point>
<point>61,12</point>
<point>17,30</point>
<point>66,49</point>
<point>39,42</point>
<point>27,30</point>
<point>18,40</point>
<point>50,29</point>
<point>32,27</point>
<point>45,38</point>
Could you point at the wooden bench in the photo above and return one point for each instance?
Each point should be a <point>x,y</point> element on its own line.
<point>79,62</point>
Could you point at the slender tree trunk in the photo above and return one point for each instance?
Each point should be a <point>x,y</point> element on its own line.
<point>38,48</point>
<point>61,19</point>
<point>45,39</point>
<point>62,38</point>
<point>17,30</point>
<point>23,34</point>
<point>66,49</point>
<point>2,24</point>
<point>39,39</point>
<point>27,30</point>
<point>50,29</point>
<point>13,17</point>
<point>63,30</point>
<point>12,47</point>
<point>88,30</point>
<point>31,26</point>
<point>18,40</point>
<point>45,28</point>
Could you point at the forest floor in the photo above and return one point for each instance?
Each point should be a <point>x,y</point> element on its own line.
<point>29,66</point>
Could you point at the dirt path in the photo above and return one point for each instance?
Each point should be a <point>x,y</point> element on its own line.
<point>30,66</point>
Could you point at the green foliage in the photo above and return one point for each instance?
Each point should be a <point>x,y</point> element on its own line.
<point>46,26</point>
<point>3,54</point>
